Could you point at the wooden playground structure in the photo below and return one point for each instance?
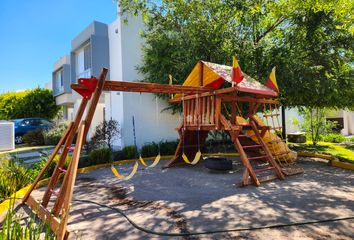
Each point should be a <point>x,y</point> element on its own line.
<point>202,112</point>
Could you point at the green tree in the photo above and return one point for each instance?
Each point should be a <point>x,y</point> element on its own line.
<point>311,42</point>
<point>315,122</point>
<point>38,102</point>
<point>9,104</point>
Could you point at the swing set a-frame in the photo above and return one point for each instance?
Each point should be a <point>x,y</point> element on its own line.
<point>202,112</point>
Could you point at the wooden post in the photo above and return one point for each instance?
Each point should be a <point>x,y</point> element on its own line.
<point>49,161</point>
<point>217,112</point>
<point>233,112</point>
<point>60,164</point>
<point>95,98</point>
<point>212,112</point>
<point>67,192</point>
<point>208,121</point>
<point>201,73</point>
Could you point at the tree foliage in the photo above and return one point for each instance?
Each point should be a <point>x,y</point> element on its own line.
<point>315,123</point>
<point>38,102</point>
<point>311,42</point>
<point>105,134</point>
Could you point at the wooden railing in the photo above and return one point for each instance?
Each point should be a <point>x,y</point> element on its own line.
<point>202,111</point>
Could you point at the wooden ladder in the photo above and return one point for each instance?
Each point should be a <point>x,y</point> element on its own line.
<point>251,173</point>
<point>264,166</point>
<point>57,216</point>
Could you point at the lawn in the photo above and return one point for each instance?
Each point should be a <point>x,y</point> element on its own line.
<point>344,151</point>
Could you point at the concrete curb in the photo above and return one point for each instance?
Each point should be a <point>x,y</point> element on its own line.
<point>333,161</point>
<point>317,155</point>
<point>344,165</point>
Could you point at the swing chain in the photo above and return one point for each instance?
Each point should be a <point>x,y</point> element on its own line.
<point>183,127</point>
<point>198,124</point>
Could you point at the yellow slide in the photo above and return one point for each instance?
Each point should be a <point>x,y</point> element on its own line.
<point>278,148</point>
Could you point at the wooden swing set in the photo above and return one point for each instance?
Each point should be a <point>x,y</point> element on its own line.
<point>202,112</point>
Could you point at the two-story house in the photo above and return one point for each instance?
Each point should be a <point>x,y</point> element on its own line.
<point>117,46</point>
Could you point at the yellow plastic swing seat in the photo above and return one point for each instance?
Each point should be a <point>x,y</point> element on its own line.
<point>125,178</point>
<point>156,161</point>
<point>196,159</point>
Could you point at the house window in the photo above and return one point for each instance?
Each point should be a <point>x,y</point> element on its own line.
<point>59,80</point>
<point>83,62</point>
<point>87,57</point>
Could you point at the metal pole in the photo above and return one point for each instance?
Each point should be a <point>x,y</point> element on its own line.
<point>283,122</point>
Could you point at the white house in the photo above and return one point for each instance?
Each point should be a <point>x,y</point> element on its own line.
<point>344,119</point>
<point>117,46</point>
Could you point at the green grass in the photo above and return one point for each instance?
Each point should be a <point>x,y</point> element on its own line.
<point>344,151</point>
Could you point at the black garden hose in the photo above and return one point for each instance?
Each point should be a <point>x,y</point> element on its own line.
<point>251,228</point>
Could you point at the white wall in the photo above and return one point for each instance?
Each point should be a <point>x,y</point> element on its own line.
<point>348,123</point>
<point>97,117</point>
<point>150,123</point>
<point>60,62</point>
<point>348,120</point>
<point>289,115</point>
<point>125,46</point>
<point>115,99</point>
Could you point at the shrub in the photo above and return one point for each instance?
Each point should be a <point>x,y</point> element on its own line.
<point>118,155</point>
<point>14,227</point>
<point>34,138</point>
<point>149,150</point>
<point>52,136</point>
<point>105,134</point>
<point>168,147</point>
<point>37,102</point>
<point>129,152</point>
<point>13,176</point>
<point>98,156</point>
<point>333,138</point>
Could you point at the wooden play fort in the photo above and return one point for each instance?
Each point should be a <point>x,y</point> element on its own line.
<point>246,110</point>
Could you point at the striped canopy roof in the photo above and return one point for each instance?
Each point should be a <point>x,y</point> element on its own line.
<point>214,76</point>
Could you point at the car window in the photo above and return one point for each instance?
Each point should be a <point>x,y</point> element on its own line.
<point>45,123</point>
<point>17,122</point>
<point>25,122</point>
<point>35,122</point>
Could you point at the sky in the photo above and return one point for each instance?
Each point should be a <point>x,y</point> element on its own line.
<point>36,33</point>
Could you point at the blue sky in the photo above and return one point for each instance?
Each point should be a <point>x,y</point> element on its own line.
<point>35,33</point>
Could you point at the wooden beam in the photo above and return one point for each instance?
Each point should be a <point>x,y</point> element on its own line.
<point>44,214</point>
<point>142,87</point>
<point>51,158</point>
<point>95,98</point>
<point>217,112</point>
<point>69,188</point>
<point>230,98</point>
<point>54,178</point>
<point>227,98</point>
<point>201,72</point>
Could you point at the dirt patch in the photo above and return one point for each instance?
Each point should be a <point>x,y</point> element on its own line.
<point>179,221</point>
